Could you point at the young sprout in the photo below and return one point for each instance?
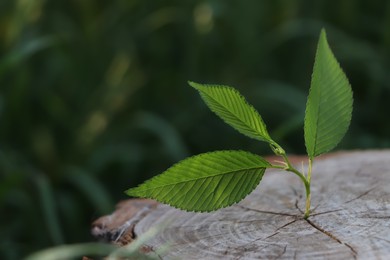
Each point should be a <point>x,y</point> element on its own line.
<point>214,180</point>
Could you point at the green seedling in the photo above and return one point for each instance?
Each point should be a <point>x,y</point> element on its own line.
<point>215,180</point>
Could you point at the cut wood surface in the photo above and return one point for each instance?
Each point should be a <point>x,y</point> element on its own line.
<point>350,217</point>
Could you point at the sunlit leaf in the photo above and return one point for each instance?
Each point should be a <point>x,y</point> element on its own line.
<point>329,105</point>
<point>205,182</point>
<point>232,107</point>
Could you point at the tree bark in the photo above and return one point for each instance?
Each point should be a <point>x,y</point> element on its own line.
<point>350,217</point>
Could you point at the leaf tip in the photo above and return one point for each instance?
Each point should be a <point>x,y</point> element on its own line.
<point>330,90</point>
<point>193,84</point>
<point>127,192</point>
<point>131,192</point>
<point>323,39</point>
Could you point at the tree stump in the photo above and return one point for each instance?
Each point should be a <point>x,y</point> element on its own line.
<point>350,217</point>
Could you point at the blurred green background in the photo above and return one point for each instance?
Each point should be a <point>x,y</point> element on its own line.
<point>94,99</point>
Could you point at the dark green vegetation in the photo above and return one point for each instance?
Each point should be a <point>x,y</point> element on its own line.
<point>93,95</point>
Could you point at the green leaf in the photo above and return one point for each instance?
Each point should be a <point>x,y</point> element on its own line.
<point>232,107</point>
<point>329,105</point>
<point>205,182</point>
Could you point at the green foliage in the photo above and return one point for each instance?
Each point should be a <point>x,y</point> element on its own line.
<point>329,105</point>
<point>215,180</point>
<point>232,107</point>
<point>206,182</point>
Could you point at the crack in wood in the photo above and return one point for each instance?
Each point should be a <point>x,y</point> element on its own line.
<point>274,234</point>
<point>267,212</point>
<point>354,252</point>
<point>297,206</point>
<point>313,210</point>
<point>325,212</point>
<point>299,197</point>
<point>361,195</point>
<point>285,225</point>
<point>277,230</point>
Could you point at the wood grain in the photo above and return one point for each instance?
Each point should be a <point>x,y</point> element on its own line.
<point>350,217</point>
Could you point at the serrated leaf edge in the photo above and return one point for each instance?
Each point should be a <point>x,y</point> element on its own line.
<point>319,108</point>
<point>261,136</point>
<point>207,211</point>
<point>192,157</point>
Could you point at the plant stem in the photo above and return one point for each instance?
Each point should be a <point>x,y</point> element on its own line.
<point>308,200</point>
<point>308,195</point>
<point>305,180</point>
